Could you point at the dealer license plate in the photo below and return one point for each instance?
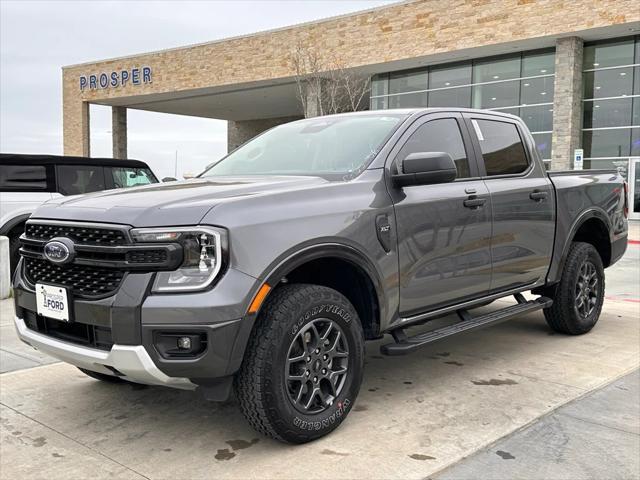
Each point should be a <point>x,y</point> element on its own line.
<point>52,302</point>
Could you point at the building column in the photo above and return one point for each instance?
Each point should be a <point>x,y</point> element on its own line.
<point>238,132</point>
<point>567,102</point>
<point>119,132</point>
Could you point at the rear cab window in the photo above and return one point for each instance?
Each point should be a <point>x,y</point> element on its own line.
<point>502,148</point>
<point>26,178</point>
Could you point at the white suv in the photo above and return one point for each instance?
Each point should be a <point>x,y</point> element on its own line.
<point>27,181</point>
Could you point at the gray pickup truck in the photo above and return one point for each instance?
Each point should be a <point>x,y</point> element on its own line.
<point>269,271</point>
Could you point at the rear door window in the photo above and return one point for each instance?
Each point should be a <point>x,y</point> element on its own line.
<point>78,179</point>
<point>25,178</point>
<point>502,147</point>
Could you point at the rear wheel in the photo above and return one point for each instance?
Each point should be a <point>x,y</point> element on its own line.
<point>578,298</point>
<point>303,366</point>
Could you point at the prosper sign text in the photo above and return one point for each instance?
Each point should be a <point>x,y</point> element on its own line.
<point>116,78</point>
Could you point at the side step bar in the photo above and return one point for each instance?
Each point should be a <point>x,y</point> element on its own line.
<point>404,344</point>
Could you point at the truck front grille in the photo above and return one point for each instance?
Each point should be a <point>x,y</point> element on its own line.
<point>84,280</point>
<point>80,234</point>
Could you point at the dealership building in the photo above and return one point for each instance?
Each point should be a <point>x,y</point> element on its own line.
<point>571,70</point>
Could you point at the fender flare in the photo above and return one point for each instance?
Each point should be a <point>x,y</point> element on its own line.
<point>14,222</point>
<point>584,216</point>
<point>302,254</point>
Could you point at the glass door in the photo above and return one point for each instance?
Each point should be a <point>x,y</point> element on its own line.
<point>634,188</point>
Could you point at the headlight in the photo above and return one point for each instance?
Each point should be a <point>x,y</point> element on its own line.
<point>203,250</point>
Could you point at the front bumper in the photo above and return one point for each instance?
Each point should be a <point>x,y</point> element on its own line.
<point>131,362</point>
<point>132,318</point>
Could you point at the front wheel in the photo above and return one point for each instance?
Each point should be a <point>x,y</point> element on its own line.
<point>578,298</point>
<point>303,365</point>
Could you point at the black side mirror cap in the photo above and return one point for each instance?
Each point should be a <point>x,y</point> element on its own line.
<point>425,168</point>
<point>169,179</point>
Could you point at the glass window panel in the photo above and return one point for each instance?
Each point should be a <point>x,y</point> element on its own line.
<point>606,143</point>
<point>635,142</point>
<point>607,113</point>
<point>379,103</point>
<point>538,119</point>
<point>608,83</point>
<point>452,97</point>
<point>537,90</point>
<point>636,79</point>
<point>608,54</point>
<point>543,144</point>
<point>502,148</point>
<point>607,163</point>
<point>408,81</point>
<point>635,118</point>
<point>503,94</point>
<point>23,177</point>
<point>492,70</point>
<point>74,179</point>
<point>441,135</point>
<point>538,64</point>
<point>409,100</point>
<point>380,85</point>
<point>450,76</point>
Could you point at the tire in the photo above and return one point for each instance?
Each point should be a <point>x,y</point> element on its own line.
<point>14,251</point>
<point>577,303</point>
<point>287,408</point>
<point>102,376</point>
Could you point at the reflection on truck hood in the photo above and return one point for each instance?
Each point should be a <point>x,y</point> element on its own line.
<point>174,203</point>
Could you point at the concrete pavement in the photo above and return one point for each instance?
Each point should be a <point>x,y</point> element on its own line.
<point>597,436</point>
<point>415,416</point>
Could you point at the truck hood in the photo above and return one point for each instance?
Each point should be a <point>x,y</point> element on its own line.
<point>173,203</point>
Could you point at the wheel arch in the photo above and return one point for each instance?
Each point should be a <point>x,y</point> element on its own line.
<point>594,227</point>
<point>14,222</point>
<point>342,267</point>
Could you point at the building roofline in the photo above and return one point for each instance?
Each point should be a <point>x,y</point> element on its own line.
<point>247,35</point>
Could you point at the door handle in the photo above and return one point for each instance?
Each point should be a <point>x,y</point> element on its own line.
<point>538,196</point>
<point>474,202</point>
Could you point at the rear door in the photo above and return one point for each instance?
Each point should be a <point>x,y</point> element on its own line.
<point>443,240</point>
<point>522,200</point>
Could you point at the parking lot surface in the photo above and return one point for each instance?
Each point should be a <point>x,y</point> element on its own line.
<point>415,416</point>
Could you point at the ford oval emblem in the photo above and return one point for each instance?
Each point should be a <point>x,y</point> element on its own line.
<point>59,251</point>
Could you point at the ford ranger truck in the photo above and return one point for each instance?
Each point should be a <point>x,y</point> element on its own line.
<point>269,271</point>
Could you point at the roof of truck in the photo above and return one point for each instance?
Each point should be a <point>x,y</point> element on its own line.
<point>28,159</point>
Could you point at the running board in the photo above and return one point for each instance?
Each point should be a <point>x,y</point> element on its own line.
<point>404,344</point>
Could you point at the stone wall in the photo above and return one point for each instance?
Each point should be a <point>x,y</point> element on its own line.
<point>401,31</point>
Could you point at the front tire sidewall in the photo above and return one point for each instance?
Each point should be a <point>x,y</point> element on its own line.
<point>319,424</point>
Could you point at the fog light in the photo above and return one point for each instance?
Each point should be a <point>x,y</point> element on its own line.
<point>184,343</point>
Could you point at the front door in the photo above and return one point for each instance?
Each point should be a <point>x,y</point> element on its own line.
<point>443,244</point>
<point>522,199</point>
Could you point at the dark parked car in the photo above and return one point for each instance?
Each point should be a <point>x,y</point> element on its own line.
<point>270,270</point>
<point>27,181</point>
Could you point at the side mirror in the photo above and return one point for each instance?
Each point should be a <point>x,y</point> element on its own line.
<point>425,168</point>
<point>169,179</point>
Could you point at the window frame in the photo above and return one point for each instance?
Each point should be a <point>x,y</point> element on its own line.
<point>393,159</point>
<point>526,144</point>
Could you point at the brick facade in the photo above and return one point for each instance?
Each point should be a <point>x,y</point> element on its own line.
<point>407,30</point>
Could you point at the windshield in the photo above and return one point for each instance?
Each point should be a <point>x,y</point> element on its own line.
<point>124,177</point>
<point>316,146</point>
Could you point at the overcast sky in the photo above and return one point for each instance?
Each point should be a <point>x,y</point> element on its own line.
<point>38,37</point>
